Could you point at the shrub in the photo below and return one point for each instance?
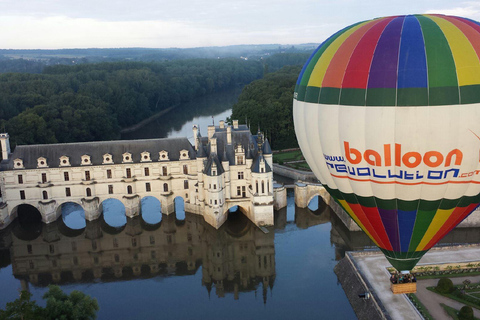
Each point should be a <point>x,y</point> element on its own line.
<point>444,285</point>
<point>466,313</point>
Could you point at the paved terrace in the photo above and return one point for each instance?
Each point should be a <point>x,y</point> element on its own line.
<point>372,267</point>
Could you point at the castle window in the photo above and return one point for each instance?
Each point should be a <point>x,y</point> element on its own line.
<point>185,184</point>
<point>215,202</point>
<point>29,249</point>
<point>67,192</point>
<point>263,186</point>
<point>214,172</point>
<point>87,175</point>
<point>22,194</point>
<point>244,193</point>
<point>42,162</point>
<point>145,156</point>
<point>20,179</point>
<point>45,195</point>
<point>239,160</point>
<point>163,155</point>
<point>240,175</point>
<point>164,171</point>
<point>109,174</point>
<point>86,160</point>
<point>256,184</point>
<point>183,154</point>
<point>66,177</point>
<point>127,157</point>
<point>268,186</point>
<point>147,172</point>
<point>214,187</point>
<point>44,177</point>
<point>165,187</point>
<point>185,169</point>
<point>262,169</point>
<point>129,190</point>
<point>89,192</point>
<point>147,187</point>
<point>64,161</point>
<point>18,163</point>
<point>107,158</point>
<point>110,189</point>
<point>239,191</point>
<point>129,173</point>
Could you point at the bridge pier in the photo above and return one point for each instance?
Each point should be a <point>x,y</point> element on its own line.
<point>48,210</point>
<point>91,208</point>
<point>132,205</point>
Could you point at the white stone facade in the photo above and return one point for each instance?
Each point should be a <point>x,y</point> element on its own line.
<point>47,176</point>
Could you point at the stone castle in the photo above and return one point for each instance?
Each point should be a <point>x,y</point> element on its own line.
<point>227,168</point>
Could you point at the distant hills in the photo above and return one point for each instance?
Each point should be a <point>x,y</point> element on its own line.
<point>33,61</point>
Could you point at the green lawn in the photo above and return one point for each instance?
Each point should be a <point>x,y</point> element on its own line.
<point>452,312</point>
<point>473,302</point>
<point>287,156</point>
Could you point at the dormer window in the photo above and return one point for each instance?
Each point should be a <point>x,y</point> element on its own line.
<point>86,160</point>
<point>163,155</point>
<point>214,170</point>
<point>127,157</point>
<point>184,155</point>
<point>107,158</point>
<point>18,164</point>
<point>42,162</point>
<point>239,155</point>
<point>64,161</point>
<point>145,156</point>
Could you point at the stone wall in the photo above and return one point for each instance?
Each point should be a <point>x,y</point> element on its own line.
<point>353,285</point>
<point>294,174</point>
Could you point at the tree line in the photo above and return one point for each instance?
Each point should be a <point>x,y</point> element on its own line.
<point>267,104</point>
<point>94,101</point>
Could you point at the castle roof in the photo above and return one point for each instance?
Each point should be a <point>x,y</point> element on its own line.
<point>213,159</point>
<point>266,147</point>
<point>256,164</point>
<point>96,149</point>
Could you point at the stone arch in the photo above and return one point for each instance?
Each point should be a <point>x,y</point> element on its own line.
<point>113,212</point>
<point>151,210</point>
<point>72,214</point>
<point>27,213</point>
<point>24,228</point>
<point>237,223</point>
<point>319,208</point>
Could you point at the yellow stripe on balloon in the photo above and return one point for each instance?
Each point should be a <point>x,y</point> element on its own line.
<point>464,55</point>
<point>438,221</point>
<point>354,217</point>
<point>322,64</point>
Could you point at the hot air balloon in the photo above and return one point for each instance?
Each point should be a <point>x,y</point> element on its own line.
<point>387,115</point>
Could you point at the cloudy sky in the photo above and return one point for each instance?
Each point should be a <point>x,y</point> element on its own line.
<point>53,24</point>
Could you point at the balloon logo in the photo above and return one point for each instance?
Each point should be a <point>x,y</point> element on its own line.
<point>384,112</point>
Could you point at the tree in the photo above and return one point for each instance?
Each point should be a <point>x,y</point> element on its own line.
<point>76,306</point>
<point>466,313</point>
<point>444,285</point>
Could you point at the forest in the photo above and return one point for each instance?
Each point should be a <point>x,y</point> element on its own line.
<point>89,102</point>
<point>267,104</point>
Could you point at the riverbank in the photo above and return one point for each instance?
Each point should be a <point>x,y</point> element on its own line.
<point>146,121</point>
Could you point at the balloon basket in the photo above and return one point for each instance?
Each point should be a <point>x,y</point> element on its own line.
<point>399,288</point>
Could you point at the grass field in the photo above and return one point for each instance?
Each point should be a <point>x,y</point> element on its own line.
<point>287,156</point>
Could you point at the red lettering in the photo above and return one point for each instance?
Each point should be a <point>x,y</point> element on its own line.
<point>427,158</point>
<point>387,154</point>
<point>355,152</point>
<point>458,157</point>
<point>415,155</point>
<point>377,160</point>
<point>398,154</point>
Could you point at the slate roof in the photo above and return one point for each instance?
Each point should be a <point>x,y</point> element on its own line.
<point>52,152</point>
<point>256,164</point>
<point>213,158</point>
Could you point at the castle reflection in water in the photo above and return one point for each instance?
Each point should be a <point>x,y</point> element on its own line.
<point>239,257</point>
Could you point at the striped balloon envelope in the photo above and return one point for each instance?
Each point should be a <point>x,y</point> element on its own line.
<point>387,115</point>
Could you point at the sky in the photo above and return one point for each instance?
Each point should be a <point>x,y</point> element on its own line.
<point>56,24</point>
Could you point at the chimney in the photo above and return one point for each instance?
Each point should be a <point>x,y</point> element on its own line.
<point>5,143</point>
<point>210,131</point>
<point>222,124</point>
<point>235,124</point>
<point>213,145</point>
<point>195,136</point>
<point>229,135</point>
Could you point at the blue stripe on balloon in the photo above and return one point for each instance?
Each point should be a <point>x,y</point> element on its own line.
<point>412,66</point>
<point>406,222</point>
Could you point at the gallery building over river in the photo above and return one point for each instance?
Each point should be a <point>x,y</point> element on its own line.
<point>230,167</point>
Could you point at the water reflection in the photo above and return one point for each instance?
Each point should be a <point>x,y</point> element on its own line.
<point>113,212</point>
<point>151,210</point>
<point>73,215</point>
<point>179,122</point>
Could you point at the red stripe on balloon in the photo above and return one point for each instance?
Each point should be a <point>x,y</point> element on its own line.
<point>455,218</point>
<point>356,74</point>
<point>337,66</point>
<point>358,210</point>
<point>375,220</point>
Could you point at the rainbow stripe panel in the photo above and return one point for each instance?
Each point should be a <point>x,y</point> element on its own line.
<point>405,230</point>
<point>413,60</point>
